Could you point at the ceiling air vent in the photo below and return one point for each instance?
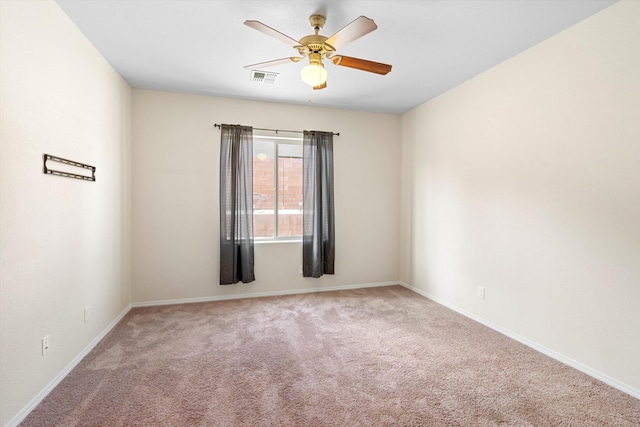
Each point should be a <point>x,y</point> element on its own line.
<point>264,77</point>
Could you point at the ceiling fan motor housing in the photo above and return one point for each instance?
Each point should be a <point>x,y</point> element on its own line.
<point>315,43</point>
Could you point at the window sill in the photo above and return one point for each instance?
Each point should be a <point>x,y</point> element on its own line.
<point>266,242</point>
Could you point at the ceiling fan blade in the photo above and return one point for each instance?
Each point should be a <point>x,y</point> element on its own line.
<point>322,86</point>
<point>356,29</point>
<point>361,64</point>
<point>272,63</point>
<point>257,25</point>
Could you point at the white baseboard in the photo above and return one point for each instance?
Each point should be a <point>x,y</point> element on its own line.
<point>259,294</point>
<point>632,391</point>
<point>20,416</point>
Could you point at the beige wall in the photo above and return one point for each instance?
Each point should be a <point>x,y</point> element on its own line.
<point>525,180</point>
<point>175,196</point>
<point>64,243</point>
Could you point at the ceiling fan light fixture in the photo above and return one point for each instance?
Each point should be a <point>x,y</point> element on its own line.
<point>314,74</point>
<point>317,47</point>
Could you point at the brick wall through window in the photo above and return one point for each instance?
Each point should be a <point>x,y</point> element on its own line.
<point>289,196</point>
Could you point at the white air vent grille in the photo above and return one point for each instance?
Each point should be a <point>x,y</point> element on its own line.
<point>264,77</point>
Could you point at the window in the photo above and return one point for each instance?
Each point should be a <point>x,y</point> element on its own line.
<point>277,188</point>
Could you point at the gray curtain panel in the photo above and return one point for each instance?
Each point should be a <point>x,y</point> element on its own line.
<point>318,235</point>
<point>236,204</point>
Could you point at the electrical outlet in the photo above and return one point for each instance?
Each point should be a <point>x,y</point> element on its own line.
<point>480,292</point>
<point>300,269</point>
<point>45,345</point>
<point>86,314</point>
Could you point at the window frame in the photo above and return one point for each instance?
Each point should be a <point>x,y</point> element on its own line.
<point>277,140</point>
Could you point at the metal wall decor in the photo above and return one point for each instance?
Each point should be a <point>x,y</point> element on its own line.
<point>46,170</point>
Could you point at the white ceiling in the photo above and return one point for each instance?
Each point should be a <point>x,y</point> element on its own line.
<point>201,46</point>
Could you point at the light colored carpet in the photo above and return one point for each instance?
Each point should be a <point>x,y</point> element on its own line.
<point>367,357</point>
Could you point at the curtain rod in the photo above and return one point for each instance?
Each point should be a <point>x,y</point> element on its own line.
<point>278,130</point>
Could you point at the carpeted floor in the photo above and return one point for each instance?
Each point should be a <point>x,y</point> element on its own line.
<point>366,357</point>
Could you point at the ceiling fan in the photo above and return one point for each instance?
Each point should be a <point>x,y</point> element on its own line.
<point>317,47</point>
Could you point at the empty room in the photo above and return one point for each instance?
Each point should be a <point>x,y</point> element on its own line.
<point>319,213</point>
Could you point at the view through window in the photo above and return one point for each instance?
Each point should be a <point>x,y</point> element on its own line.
<point>277,188</point>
